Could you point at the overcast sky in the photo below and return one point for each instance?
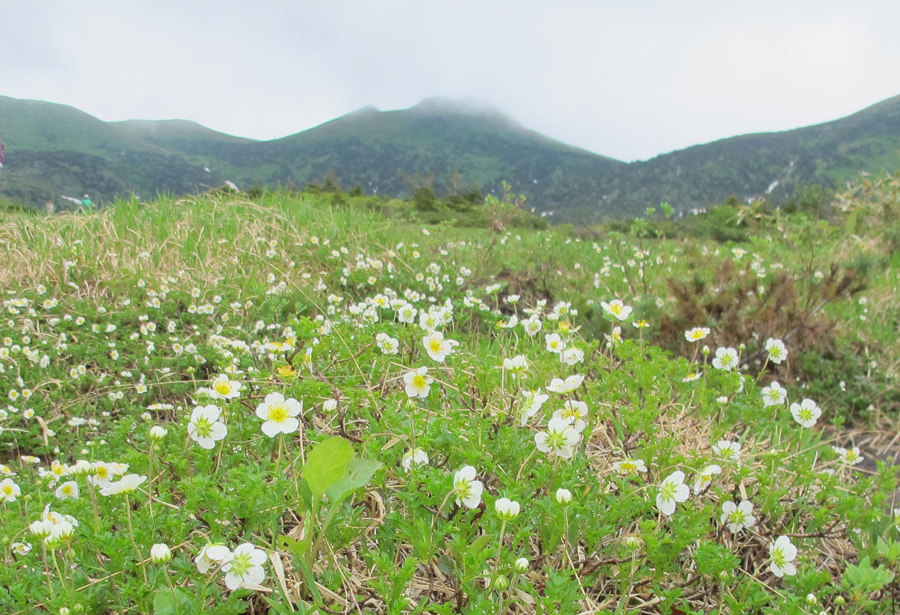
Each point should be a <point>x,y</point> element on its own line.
<point>629,79</point>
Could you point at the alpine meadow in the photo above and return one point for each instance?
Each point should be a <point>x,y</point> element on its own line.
<point>320,401</point>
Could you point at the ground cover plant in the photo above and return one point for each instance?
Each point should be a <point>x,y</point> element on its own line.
<point>287,404</point>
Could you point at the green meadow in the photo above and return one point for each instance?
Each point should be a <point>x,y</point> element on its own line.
<point>325,403</point>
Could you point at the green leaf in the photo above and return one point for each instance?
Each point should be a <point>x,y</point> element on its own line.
<point>479,544</point>
<point>326,465</point>
<point>359,473</point>
<point>277,607</point>
<point>296,547</point>
<point>164,602</point>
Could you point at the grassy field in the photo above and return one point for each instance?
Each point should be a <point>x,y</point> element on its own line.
<point>297,404</point>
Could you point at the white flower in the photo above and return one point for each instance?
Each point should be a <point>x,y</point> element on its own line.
<point>554,343</point>
<point>245,567</point>
<point>506,509</point>
<point>563,497</point>
<point>575,412</point>
<point>671,491</point>
<point>516,365</point>
<point>9,490</point>
<point>532,326</point>
<point>616,308</point>
<point>160,553</point>
<point>806,412</point>
<point>387,344</point>
<point>614,338</point>
<point>468,490</point>
<point>205,428</point>
<point>704,479</point>
<point>532,402</point>
<point>559,438</point>
<point>774,395</point>
<point>416,457</point>
<point>223,388</point>
<point>738,516</point>
<point>126,484</point>
<point>41,529</point>
<point>60,531</point>
<point>279,414</point>
<point>100,473</point>
<point>630,466</point>
<point>212,555</point>
<point>728,449</point>
<point>20,548</point>
<point>437,347</point>
<point>726,359</point>
<point>67,490</point>
<point>572,356</point>
<point>849,457</point>
<point>565,386</point>
<point>418,384</point>
<point>776,349</point>
<point>696,334</point>
<point>782,553</point>
<point>407,314</point>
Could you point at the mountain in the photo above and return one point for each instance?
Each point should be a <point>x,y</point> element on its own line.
<point>756,165</point>
<point>55,150</point>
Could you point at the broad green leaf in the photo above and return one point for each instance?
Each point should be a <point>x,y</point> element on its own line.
<point>327,465</point>
<point>359,473</point>
<point>479,544</point>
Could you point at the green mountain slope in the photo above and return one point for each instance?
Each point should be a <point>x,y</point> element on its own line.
<point>54,150</point>
<point>749,166</point>
<point>437,142</point>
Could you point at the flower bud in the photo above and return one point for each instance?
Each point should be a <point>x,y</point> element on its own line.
<point>157,433</point>
<point>839,601</point>
<point>41,529</point>
<point>500,582</point>
<point>330,405</point>
<point>521,565</point>
<point>563,497</point>
<point>160,553</point>
<point>506,509</point>
<point>705,350</point>
<point>811,599</point>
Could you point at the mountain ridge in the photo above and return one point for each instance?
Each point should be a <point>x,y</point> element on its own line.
<point>446,143</point>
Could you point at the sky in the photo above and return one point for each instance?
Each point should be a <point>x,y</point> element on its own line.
<point>629,79</point>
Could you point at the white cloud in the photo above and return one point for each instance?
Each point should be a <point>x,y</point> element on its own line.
<point>629,80</point>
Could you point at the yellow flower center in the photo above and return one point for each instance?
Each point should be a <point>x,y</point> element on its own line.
<point>419,381</point>
<point>278,413</point>
<point>435,345</point>
<point>222,387</point>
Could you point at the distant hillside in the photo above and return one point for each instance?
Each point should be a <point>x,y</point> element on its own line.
<point>54,150</point>
<point>755,165</point>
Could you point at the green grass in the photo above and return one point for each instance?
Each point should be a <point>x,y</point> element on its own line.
<point>140,307</point>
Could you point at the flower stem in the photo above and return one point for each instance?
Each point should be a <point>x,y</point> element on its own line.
<point>137,551</point>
